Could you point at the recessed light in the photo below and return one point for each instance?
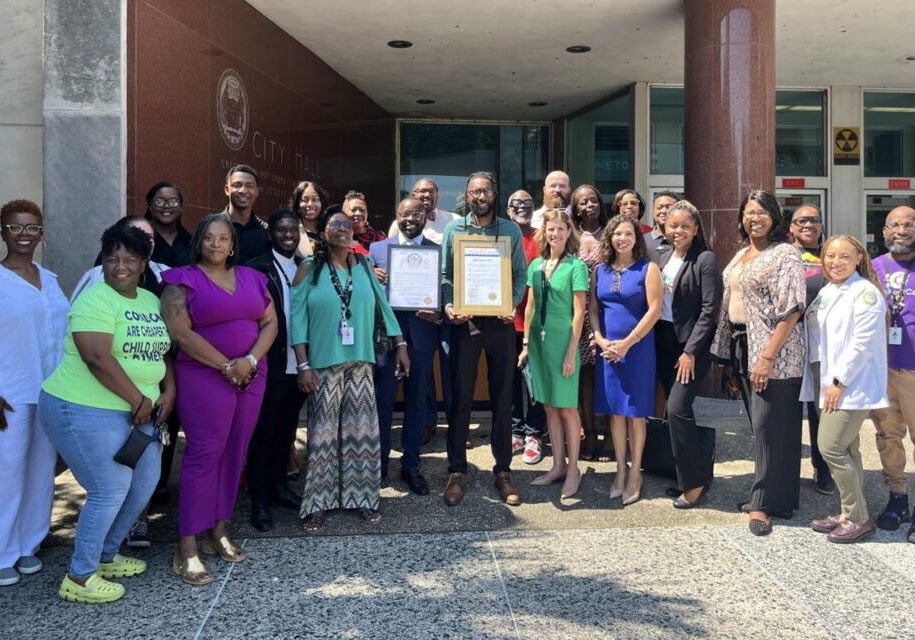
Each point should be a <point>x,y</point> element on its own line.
<point>910,57</point>
<point>400,44</point>
<point>537,103</point>
<point>578,48</point>
<point>425,101</point>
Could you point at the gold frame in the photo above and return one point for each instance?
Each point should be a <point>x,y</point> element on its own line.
<point>461,242</point>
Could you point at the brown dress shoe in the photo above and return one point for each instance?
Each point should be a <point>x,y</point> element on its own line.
<point>826,525</point>
<point>454,489</point>
<point>850,532</point>
<point>507,489</point>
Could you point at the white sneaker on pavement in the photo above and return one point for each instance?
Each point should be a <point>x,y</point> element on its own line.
<point>533,450</point>
<point>517,444</point>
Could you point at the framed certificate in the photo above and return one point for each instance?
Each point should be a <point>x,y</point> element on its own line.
<point>482,276</point>
<point>414,277</point>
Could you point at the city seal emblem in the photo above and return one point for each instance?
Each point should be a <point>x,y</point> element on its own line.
<point>232,109</point>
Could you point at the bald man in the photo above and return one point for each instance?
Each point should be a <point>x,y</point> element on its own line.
<point>896,274</point>
<point>557,194</point>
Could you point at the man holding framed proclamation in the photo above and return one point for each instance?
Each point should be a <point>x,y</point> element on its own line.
<point>409,265</point>
<point>483,279</point>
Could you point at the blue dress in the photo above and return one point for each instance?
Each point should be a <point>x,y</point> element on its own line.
<point>624,388</point>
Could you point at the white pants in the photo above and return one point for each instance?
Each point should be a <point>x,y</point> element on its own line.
<point>27,460</point>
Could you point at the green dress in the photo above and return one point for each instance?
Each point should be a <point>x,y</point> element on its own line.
<point>545,355</point>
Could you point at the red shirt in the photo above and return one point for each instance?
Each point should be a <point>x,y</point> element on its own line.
<point>531,251</point>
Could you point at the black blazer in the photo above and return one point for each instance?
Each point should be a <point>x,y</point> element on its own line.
<point>697,299</point>
<point>276,356</point>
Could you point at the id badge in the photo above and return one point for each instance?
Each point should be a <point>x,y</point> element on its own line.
<point>347,337</point>
<point>895,336</point>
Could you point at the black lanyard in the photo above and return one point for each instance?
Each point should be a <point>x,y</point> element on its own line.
<point>345,293</point>
<point>282,271</point>
<point>545,292</point>
<point>897,298</point>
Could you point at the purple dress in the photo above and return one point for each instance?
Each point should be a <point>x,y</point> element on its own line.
<point>624,388</point>
<point>217,418</point>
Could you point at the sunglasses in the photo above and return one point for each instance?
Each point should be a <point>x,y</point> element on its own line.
<point>340,224</point>
<point>30,229</point>
<point>166,202</point>
<point>807,220</point>
<point>517,204</point>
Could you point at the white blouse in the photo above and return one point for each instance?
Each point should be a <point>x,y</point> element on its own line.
<point>34,323</point>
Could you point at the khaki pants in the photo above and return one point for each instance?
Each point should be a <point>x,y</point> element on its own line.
<point>840,447</point>
<point>891,427</point>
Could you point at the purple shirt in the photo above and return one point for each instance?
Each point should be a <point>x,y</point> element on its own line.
<point>891,273</point>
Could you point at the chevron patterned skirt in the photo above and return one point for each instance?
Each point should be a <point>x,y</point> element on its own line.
<point>344,453</point>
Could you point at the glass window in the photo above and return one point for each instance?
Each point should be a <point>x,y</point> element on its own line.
<point>799,126</point>
<point>598,146</point>
<point>889,134</point>
<point>799,119</point>
<point>518,155</point>
<point>666,138</point>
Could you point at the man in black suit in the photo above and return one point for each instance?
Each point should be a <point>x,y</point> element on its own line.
<point>279,416</point>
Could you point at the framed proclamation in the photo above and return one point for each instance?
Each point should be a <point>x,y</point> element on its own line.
<point>414,277</point>
<point>482,276</point>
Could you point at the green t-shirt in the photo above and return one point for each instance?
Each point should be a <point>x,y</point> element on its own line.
<point>139,343</point>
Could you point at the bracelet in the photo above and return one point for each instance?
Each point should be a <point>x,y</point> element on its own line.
<point>303,366</point>
<point>524,342</point>
<point>402,343</point>
<point>250,358</point>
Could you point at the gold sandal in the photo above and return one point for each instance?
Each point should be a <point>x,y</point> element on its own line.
<point>225,548</point>
<point>191,570</point>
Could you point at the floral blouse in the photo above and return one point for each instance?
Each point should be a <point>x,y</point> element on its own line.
<point>773,288</point>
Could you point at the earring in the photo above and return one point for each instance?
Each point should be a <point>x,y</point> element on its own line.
<point>232,252</point>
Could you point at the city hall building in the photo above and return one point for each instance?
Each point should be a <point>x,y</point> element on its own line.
<point>103,98</point>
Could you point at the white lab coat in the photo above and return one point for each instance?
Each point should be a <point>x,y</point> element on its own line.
<point>846,334</point>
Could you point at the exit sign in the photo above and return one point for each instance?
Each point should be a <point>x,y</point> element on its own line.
<point>793,183</point>
<point>900,183</point>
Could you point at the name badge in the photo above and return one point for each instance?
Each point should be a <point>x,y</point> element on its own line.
<point>347,336</point>
<point>895,337</point>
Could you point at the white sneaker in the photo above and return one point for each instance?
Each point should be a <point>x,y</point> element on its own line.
<point>517,444</point>
<point>533,450</point>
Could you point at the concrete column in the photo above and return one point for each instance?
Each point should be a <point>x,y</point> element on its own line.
<point>85,126</point>
<point>846,213</point>
<point>729,98</point>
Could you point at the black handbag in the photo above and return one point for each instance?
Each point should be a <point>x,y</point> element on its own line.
<point>658,457</point>
<point>380,340</point>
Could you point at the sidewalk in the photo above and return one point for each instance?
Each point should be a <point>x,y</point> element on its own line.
<point>581,568</point>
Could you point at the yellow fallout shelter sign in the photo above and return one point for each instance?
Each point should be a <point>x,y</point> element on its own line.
<point>846,145</point>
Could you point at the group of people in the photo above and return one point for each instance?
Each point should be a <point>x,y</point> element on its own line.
<point>229,331</point>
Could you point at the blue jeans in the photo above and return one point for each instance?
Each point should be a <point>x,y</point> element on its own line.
<point>87,439</point>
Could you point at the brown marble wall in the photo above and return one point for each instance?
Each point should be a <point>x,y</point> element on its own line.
<point>729,93</point>
<point>212,83</point>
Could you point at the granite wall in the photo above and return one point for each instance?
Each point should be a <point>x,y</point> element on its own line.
<point>212,83</point>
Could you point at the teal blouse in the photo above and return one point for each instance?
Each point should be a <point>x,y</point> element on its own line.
<point>316,312</point>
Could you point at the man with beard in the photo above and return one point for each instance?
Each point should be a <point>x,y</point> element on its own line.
<point>274,433</point>
<point>420,331</point>
<point>556,195</point>
<point>242,188</point>
<point>471,335</point>
<point>527,414</point>
<point>655,240</point>
<point>426,191</point>
<point>895,271</point>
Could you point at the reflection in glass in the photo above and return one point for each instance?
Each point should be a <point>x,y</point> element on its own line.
<point>599,145</point>
<point>889,128</point>
<point>799,125</point>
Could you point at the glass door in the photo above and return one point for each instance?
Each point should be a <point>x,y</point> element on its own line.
<point>876,206</point>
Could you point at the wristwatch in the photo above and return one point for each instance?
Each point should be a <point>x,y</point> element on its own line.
<point>836,382</point>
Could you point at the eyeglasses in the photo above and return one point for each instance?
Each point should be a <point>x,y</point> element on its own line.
<point>340,224</point>
<point>755,213</point>
<point>30,229</point>
<point>166,202</point>
<point>807,220</point>
<point>411,215</point>
<point>479,193</point>
<point>517,204</point>
<point>898,225</point>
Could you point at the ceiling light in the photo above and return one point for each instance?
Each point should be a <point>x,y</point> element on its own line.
<point>425,101</point>
<point>578,48</point>
<point>910,57</point>
<point>400,44</point>
<point>537,103</point>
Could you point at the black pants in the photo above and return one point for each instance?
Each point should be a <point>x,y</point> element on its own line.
<point>497,339</point>
<point>268,452</point>
<point>816,459</point>
<point>693,468</point>
<point>528,415</point>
